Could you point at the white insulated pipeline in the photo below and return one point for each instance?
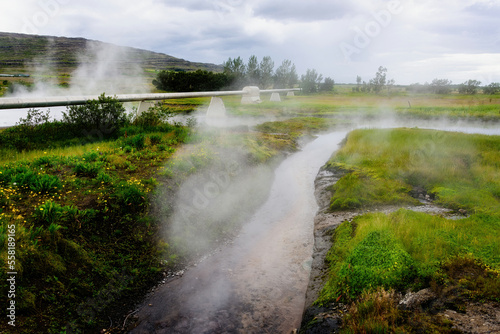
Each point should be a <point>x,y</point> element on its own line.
<point>250,94</point>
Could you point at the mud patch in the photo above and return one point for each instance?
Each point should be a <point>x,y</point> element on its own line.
<point>478,318</point>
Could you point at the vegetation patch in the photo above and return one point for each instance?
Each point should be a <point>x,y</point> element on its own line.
<point>357,190</point>
<point>84,237</point>
<point>383,166</point>
<point>376,257</point>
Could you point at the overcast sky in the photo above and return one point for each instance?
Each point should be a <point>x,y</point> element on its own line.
<point>416,40</point>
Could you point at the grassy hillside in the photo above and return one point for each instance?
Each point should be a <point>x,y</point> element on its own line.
<point>20,53</point>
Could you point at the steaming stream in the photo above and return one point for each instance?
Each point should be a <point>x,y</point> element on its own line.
<point>257,284</point>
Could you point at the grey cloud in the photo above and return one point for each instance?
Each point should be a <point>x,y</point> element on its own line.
<point>482,9</point>
<point>312,10</point>
<point>192,5</point>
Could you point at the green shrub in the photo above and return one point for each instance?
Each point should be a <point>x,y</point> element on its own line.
<point>102,117</point>
<point>147,119</point>
<point>35,117</point>
<point>41,136</point>
<point>48,213</point>
<point>137,141</point>
<point>8,173</point>
<point>90,156</point>
<point>24,179</point>
<point>46,184</point>
<point>87,169</point>
<point>130,197</point>
<point>44,161</point>
<point>181,133</point>
<point>155,139</point>
<point>129,130</point>
<point>103,177</point>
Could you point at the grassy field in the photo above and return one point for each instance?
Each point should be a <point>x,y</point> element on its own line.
<point>82,233</point>
<point>377,253</point>
<point>89,240</point>
<point>348,105</point>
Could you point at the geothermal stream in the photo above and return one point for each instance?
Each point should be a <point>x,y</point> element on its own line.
<point>258,282</point>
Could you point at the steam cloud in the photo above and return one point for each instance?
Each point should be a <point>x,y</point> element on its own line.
<point>102,68</point>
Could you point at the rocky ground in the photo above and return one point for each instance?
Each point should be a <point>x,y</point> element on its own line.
<point>470,317</point>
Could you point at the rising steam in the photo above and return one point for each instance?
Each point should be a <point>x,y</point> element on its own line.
<point>102,68</point>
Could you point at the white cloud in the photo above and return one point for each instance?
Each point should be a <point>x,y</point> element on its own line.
<point>419,41</point>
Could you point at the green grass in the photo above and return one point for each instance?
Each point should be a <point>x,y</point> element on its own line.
<point>377,253</point>
<point>484,112</point>
<point>458,259</point>
<point>298,126</point>
<point>461,171</point>
<point>81,220</point>
<point>404,249</point>
<point>346,105</point>
<point>84,237</point>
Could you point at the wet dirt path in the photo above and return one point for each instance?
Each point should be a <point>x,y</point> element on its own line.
<point>257,284</point>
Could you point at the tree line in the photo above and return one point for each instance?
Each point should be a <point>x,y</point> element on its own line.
<point>237,74</point>
<point>445,86</point>
<point>437,86</point>
<point>377,84</point>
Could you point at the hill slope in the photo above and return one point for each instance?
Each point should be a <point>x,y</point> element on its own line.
<point>62,58</point>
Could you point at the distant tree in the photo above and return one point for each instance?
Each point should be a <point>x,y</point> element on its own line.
<point>234,66</point>
<point>419,88</point>
<point>358,84</point>
<point>390,84</point>
<point>380,80</point>
<point>327,85</point>
<point>492,88</point>
<point>266,68</point>
<point>441,86</point>
<point>293,77</point>
<point>469,87</point>
<point>235,69</point>
<point>285,75</point>
<point>253,71</point>
<point>199,80</point>
<point>365,88</point>
<point>310,81</point>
